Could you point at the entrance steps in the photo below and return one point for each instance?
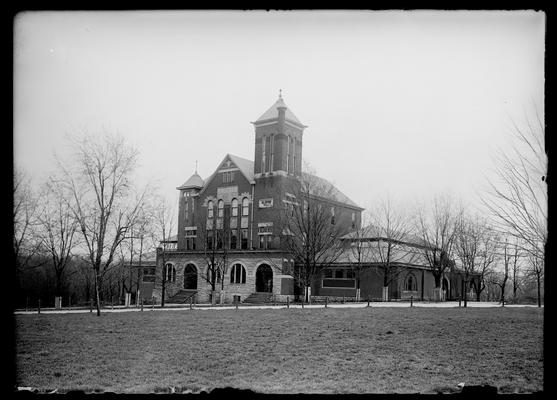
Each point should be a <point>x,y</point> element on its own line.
<point>259,298</point>
<point>182,296</point>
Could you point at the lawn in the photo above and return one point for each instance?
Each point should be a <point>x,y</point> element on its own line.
<point>366,350</point>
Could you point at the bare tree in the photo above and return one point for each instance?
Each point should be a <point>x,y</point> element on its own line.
<point>309,235</point>
<point>99,182</point>
<point>436,229</point>
<point>359,251</point>
<point>517,196</point>
<point>516,270</point>
<point>390,233</point>
<point>163,226</point>
<point>214,241</point>
<point>475,248</point>
<point>58,227</point>
<point>536,270</point>
<point>26,245</point>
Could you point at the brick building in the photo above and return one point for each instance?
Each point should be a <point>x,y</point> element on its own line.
<point>235,215</point>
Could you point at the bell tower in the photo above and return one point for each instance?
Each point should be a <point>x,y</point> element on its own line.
<point>278,142</point>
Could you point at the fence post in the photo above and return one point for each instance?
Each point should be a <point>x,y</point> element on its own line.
<point>459,300</point>
<point>69,301</point>
<point>326,300</point>
<point>302,303</point>
<point>288,302</point>
<point>411,300</point>
<point>112,304</point>
<point>191,301</point>
<point>39,309</point>
<point>368,302</point>
<point>90,305</point>
<point>342,299</point>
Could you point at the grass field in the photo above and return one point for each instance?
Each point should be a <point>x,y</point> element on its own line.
<point>367,350</point>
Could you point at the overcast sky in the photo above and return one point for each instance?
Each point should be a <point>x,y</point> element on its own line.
<point>405,103</point>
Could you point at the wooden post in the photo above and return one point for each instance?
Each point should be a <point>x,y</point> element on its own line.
<point>459,300</point>
<point>326,299</point>
<point>302,303</point>
<point>368,302</point>
<point>288,302</point>
<point>39,309</point>
<point>90,305</point>
<point>411,300</point>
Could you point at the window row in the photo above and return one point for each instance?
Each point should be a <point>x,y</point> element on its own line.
<point>233,208</point>
<point>216,239</point>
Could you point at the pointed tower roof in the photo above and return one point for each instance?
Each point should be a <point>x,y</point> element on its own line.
<point>272,113</point>
<point>194,181</point>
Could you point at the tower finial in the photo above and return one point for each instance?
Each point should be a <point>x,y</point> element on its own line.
<point>196,166</point>
<point>280,93</point>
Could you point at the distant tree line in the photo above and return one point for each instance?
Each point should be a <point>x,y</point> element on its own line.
<point>75,235</point>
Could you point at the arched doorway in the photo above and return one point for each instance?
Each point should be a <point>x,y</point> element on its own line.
<point>190,277</point>
<point>264,279</point>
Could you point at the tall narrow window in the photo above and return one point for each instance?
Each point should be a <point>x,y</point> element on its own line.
<point>332,215</point>
<point>293,155</point>
<point>234,207</point>
<point>288,154</point>
<point>353,220</point>
<point>272,148</point>
<point>209,240</point>
<point>411,283</point>
<point>233,238</point>
<point>263,154</point>
<point>220,209</point>
<point>245,206</point>
<point>210,209</point>
<point>244,238</point>
<point>267,159</point>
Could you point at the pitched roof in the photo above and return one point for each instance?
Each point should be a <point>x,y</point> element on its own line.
<point>272,113</point>
<point>194,181</point>
<point>371,232</point>
<point>245,166</point>
<point>324,186</point>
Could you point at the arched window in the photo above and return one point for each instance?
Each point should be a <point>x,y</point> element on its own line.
<point>234,207</point>
<point>210,209</point>
<point>245,206</point>
<point>220,209</point>
<point>238,274</point>
<point>169,274</point>
<point>411,284</point>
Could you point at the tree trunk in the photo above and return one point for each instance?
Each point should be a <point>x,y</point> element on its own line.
<point>539,290</point>
<point>385,294</point>
<point>97,293</point>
